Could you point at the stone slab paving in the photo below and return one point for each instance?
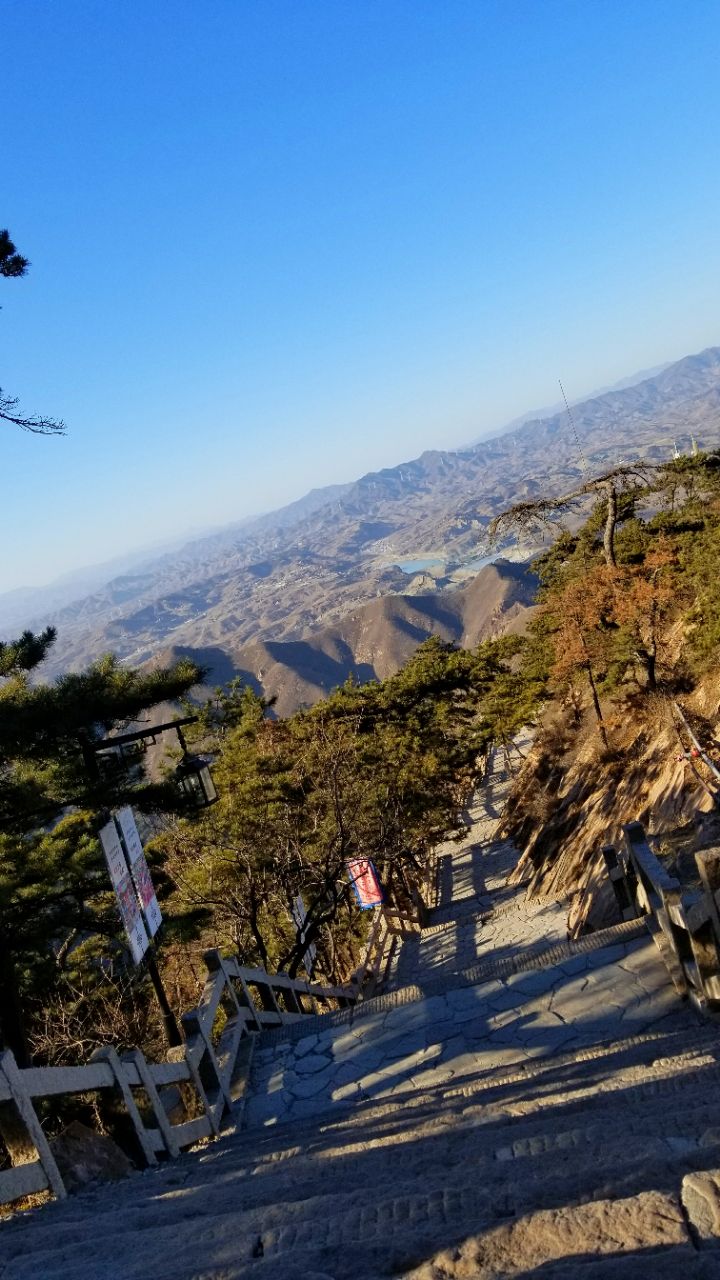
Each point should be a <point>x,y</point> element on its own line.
<point>477,913</point>
<point>464,1032</point>
<point>524,1107</point>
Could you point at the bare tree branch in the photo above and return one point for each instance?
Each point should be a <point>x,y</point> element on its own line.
<point>38,425</point>
<point>12,265</point>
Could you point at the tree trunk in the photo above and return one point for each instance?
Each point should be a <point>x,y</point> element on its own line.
<point>596,704</point>
<point>254,921</point>
<point>12,1016</point>
<point>610,523</point>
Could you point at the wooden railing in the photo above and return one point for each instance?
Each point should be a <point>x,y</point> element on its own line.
<point>181,1100</point>
<point>382,939</point>
<point>684,921</point>
<point>187,1097</point>
<point>390,925</point>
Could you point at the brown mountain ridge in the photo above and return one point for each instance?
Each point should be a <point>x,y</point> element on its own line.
<point>373,641</point>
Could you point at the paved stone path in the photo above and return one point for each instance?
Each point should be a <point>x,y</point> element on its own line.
<point>477,914</point>
<point>457,1031</point>
<point>515,1106</point>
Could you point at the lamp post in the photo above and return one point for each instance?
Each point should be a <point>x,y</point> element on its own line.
<point>195,783</point>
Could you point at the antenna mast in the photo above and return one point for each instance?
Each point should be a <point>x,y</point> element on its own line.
<point>583,459</point>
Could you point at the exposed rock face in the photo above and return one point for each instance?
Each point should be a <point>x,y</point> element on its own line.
<point>84,1157</point>
<point>574,1233</point>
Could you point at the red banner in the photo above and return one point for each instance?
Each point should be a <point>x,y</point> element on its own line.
<point>363,878</point>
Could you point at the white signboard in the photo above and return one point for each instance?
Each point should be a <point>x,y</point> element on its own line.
<point>127,900</point>
<point>299,915</point>
<point>114,856</point>
<point>139,869</point>
<point>132,918</point>
<point>125,819</point>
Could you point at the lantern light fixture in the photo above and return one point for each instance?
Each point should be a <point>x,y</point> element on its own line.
<point>192,775</point>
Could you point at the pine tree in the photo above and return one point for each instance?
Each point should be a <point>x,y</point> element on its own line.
<point>53,884</point>
<point>13,265</point>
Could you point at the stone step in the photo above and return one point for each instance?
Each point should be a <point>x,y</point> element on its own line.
<point>524,962</point>
<point>656,1063</point>
<point>442,1232</point>
<point>638,1237</point>
<point>466,1034</point>
<point>644,1139</point>
<point>515,1179</point>
<point>673,1263</point>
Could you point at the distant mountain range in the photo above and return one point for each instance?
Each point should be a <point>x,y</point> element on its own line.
<point>374,641</point>
<point>298,588</point>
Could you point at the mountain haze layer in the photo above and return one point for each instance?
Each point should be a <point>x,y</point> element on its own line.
<point>304,570</point>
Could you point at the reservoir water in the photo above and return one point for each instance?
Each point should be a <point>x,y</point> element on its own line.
<point>438,566</point>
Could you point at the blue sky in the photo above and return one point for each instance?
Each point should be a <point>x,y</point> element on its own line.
<point>278,244</point>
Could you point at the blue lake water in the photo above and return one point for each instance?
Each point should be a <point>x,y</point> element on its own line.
<point>437,564</point>
<point>418,566</point>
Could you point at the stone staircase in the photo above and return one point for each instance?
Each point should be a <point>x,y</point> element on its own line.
<point>512,1105</point>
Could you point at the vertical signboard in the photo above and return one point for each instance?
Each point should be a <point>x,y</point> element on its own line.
<point>114,854</point>
<point>139,869</point>
<point>364,880</point>
<point>127,899</point>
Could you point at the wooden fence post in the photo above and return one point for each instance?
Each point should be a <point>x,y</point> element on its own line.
<point>194,1030</point>
<point>21,1130</point>
<point>194,1069</point>
<point>110,1056</point>
<point>137,1059</point>
<point>619,880</point>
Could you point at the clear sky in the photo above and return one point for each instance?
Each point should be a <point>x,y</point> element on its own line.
<point>279,243</point>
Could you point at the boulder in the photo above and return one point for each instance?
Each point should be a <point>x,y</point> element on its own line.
<point>84,1157</point>
<point>701,1201</point>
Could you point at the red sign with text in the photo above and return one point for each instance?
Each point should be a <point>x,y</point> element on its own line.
<point>363,878</point>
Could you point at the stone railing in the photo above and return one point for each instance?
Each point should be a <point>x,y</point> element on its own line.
<point>179,1101</point>
<point>685,922</point>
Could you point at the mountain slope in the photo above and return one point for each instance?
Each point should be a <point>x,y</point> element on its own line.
<point>309,565</point>
<point>373,641</point>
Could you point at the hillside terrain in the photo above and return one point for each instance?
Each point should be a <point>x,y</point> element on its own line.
<point>307,567</point>
<point>373,641</point>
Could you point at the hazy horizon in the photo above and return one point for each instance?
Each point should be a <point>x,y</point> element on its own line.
<point>288,244</point>
<point>177,538</point>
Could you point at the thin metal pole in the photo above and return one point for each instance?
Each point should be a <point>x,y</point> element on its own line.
<point>170,1026</point>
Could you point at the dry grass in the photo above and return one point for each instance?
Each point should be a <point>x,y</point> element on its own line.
<point>573,795</point>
